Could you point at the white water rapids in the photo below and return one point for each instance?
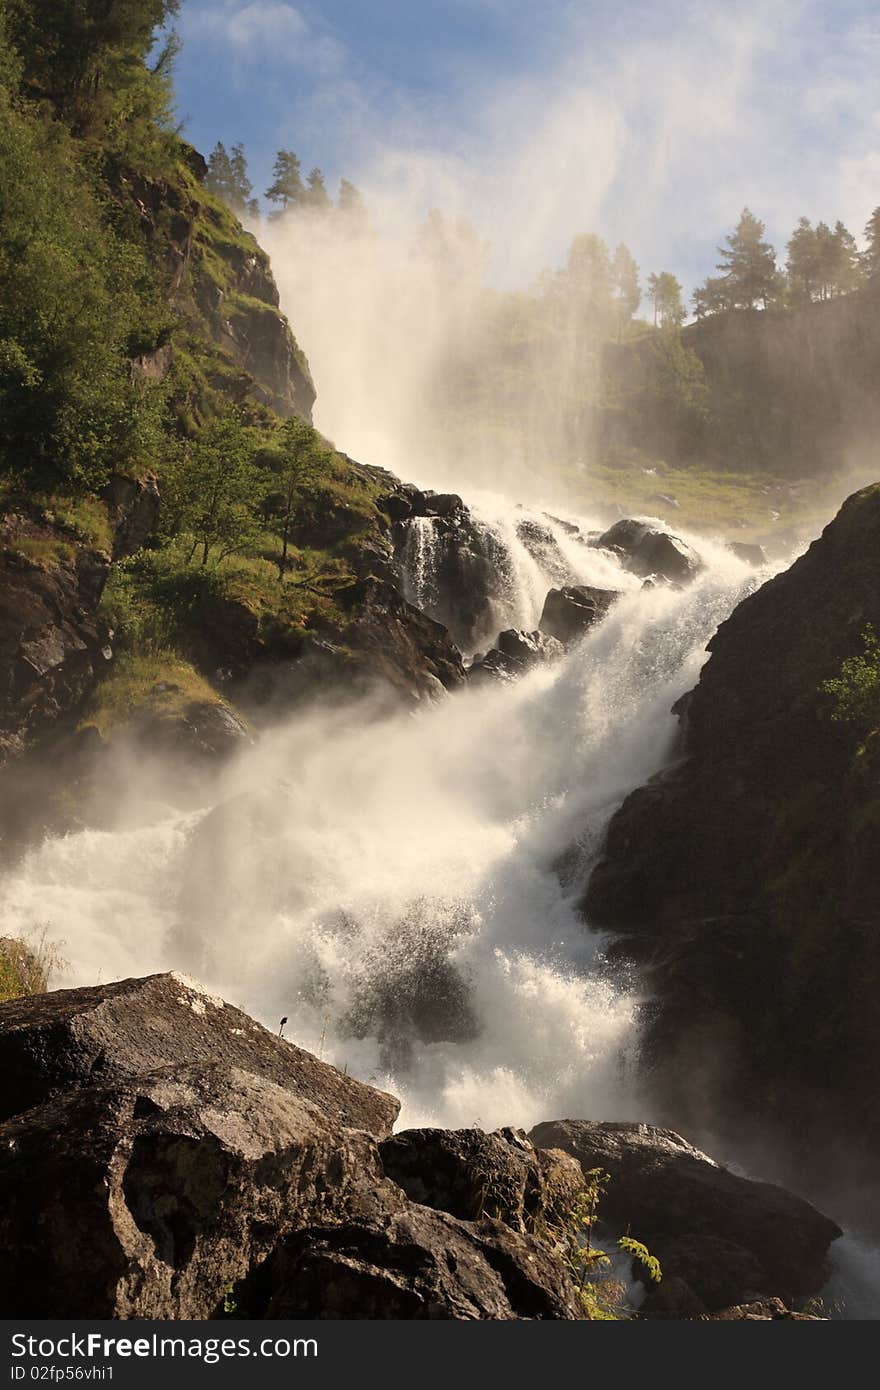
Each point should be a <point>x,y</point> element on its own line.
<point>405,889</point>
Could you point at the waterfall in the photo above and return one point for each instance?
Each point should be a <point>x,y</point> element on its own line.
<point>492,569</point>
<point>408,896</point>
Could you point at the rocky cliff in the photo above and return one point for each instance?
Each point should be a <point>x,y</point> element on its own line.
<point>162,1155</point>
<point>744,878</point>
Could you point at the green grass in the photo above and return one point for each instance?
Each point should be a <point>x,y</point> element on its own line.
<point>85,518</point>
<point>26,966</point>
<point>48,551</point>
<point>741,506</point>
<point>159,683</point>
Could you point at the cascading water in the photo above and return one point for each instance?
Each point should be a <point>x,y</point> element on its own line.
<point>409,897</point>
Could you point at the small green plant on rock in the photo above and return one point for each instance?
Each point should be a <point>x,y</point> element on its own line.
<point>601,1297</point>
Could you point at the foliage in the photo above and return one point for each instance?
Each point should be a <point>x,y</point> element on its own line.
<point>822,263</point>
<point>855,690</point>
<point>665,293</point>
<point>227,178</point>
<point>85,56</point>
<point>748,270</point>
<point>871,254</point>
<point>74,297</point>
<point>160,683</point>
<point>297,459</point>
<point>26,966</point>
<point>214,488</point>
<point>601,1298</point>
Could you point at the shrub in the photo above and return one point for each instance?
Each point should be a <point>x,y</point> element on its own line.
<point>26,966</point>
<point>855,690</point>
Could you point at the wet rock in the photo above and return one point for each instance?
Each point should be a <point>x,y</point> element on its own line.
<point>646,551</point>
<point>545,550</point>
<point>413,1263</point>
<point>147,1197</point>
<point>752,554</point>
<point>442,504</point>
<point>670,1194</point>
<point>530,648</point>
<point>516,653</point>
<point>77,1038</point>
<point>470,1174</point>
<point>569,612</point>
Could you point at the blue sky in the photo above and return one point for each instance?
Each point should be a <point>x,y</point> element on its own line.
<point>649,123</point>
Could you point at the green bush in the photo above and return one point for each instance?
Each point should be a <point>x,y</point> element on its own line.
<point>855,690</point>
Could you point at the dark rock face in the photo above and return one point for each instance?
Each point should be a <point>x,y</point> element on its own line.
<point>81,1037</point>
<point>157,1147</point>
<point>134,505</point>
<point>454,569</point>
<point>726,1237</point>
<point>749,872</point>
<point>572,611</point>
<point>51,641</point>
<point>648,552</point>
<point>146,1197</point>
<point>413,1263</point>
<point>470,1175</point>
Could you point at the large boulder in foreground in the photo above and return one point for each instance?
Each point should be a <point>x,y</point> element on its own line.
<point>52,1043</point>
<point>727,1237</point>
<point>147,1197</point>
<point>651,553</point>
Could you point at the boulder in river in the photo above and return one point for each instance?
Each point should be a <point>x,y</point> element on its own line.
<point>647,551</point>
<point>517,652</point>
<point>569,612</point>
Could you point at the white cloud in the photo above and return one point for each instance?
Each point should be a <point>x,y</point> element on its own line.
<point>266,32</point>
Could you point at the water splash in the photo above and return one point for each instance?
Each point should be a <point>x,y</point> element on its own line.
<point>409,898</point>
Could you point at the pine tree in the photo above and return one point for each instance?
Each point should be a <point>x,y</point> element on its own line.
<point>802,264</point>
<point>287,190</point>
<point>665,292</point>
<point>218,179</point>
<point>588,276</point>
<point>849,264</point>
<point>242,188</point>
<point>748,264</point>
<point>626,287</point>
<point>871,254</point>
<point>713,297</point>
<point>316,194</point>
<point>351,205</point>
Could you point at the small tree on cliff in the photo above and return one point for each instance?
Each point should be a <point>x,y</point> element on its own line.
<point>748,271</point>
<point>871,254</point>
<point>626,287</point>
<point>665,292</point>
<point>299,460</point>
<point>216,488</point>
<point>287,189</point>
